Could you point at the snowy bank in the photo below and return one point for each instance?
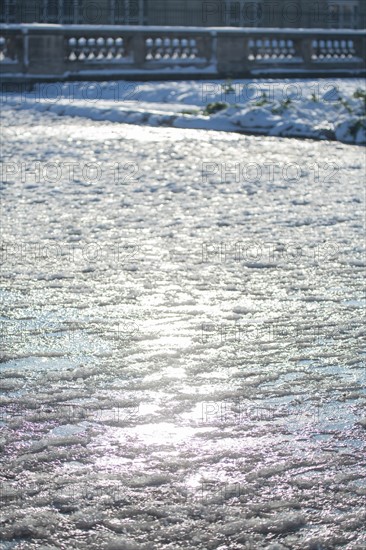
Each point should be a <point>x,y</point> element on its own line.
<point>293,108</point>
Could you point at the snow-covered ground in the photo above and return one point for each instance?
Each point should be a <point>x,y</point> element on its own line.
<point>182,338</point>
<point>318,109</point>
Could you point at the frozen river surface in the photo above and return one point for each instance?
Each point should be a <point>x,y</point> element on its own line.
<point>182,361</point>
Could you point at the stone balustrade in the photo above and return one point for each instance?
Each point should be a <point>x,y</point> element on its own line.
<point>66,52</point>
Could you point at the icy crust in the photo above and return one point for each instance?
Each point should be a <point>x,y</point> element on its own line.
<point>187,393</point>
<point>302,109</point>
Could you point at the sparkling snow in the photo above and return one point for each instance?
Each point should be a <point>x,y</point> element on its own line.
<point>316,109</point>
<point>182,361</point>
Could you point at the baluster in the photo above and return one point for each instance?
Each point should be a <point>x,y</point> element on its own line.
<point>314,49</point>
<point>293,48</point>
<point>158,48</point>
<point>343,49</point>
<point>176,49</point>
<point>70,49</point>
<point>101,48</point>
<point>267,50</point>
<point>282,44</point>
<point>149,48</point>
<point>111,50</point>
<point>119,48</point>
<point>167,49</point>
<point>337,50</point>
<point>352,50</point>
<point>2,48</point>
<point>251,47</point>
<point>329,49</point>
<point>81,46</point>
<point>322,49</point>
<point>92,52</point>
<point>271,49</point>
<point>260,50</point>
<point>185,51</point>
<point>285,49</point>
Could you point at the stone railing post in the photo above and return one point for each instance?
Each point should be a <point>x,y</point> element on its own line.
<point>207,47</point>
<point>305,50</point>
<point>137,43</point>
<point>232,53</point>
<point>360,46</point>
<point>45,53</point>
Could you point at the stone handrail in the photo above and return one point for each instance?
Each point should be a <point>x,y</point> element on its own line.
<point>66,52</point>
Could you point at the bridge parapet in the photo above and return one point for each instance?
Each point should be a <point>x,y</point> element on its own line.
<point>64,52</point>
